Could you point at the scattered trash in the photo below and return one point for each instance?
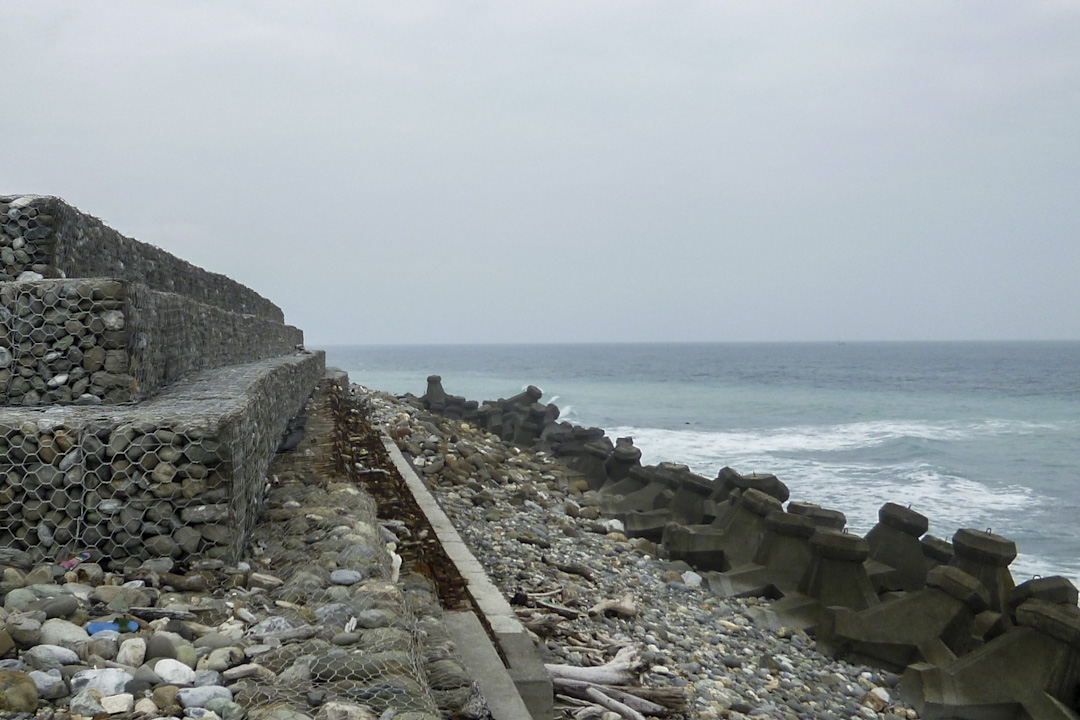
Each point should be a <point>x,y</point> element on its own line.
<point>73,562</point>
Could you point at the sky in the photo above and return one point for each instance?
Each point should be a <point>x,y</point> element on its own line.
<point>488,172</point>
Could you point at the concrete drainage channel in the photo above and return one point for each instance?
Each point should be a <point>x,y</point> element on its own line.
<point>491,642</point>
<point>511,675</point>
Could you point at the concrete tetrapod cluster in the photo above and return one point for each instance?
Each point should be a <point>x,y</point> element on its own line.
<point>141,397</point>
<point>970,644</point>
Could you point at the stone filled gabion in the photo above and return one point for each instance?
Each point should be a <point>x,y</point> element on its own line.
<point>313,623</point>
<point>133,489</point>
<point>182,474</point>
<point>47,236</point>
<point>102,340</point>
<point>25,237</point>
<point>64,339</point>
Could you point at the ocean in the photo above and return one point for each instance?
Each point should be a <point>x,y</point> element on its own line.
<point>982,435</point>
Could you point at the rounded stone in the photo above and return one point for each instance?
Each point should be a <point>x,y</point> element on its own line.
<point>225,709</point>
<point>62,633</point>
<point>107,681</point>
<point>19,599</point>
<point>222,659</point>
<point>50,684</point>
<point>174,672</point>
<point>345,711</point>
<point>163,546</point>
<point>120,703</point>
<point>373,618</point>
<point>132,652</point>
<point>48,657</point>
<point>199,696</point>
<point>207,677</point>
<point>160,646</point>
<point>165,695</point>
<point>113,319</point>
<point>86,704</point>
<point>18,692</point>
<point>346,577</point>
<point>187,654</point>
<point>214,641</point>
<point>345,638</point>
<point>24,630</point>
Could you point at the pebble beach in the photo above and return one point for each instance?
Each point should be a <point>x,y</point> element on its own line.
<point>586,591</point>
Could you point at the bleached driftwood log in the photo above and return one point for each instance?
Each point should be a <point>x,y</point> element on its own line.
<point>604,700</point>
<point>624,606</point>
<point>587,691</point>
<point>623,669</point>
<point>614,686</point>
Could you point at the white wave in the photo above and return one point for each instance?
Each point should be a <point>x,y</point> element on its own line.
<point>818,438</point>
<point>1026,566</point>
<point>857,489</point>
<point>860,487</point>
<point>949,501</point>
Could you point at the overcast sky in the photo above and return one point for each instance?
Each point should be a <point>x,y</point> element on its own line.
<point>427,172</point>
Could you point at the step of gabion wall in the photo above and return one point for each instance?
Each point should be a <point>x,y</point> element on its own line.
<point>181,474</point>
<point>45,235</point>
<point>98,340</point>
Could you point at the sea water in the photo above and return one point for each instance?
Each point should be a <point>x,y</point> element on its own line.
<point>978,435</point>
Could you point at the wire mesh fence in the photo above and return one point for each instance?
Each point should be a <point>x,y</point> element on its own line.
<point>181,475</point>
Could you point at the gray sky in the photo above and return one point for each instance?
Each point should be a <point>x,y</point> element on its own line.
<point>576,171</point>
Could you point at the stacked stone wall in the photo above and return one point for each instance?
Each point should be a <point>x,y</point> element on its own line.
<point>112,341</point>
<point>47,236</point>
<point>181,474</point>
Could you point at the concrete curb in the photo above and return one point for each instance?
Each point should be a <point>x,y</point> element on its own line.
<point>518,686</point>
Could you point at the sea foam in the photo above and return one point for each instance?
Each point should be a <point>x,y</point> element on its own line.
<point>833,478</point>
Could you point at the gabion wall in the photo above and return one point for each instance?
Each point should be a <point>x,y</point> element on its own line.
<point>182,474</point>
<point>47,236</point>
<point>104,340</point>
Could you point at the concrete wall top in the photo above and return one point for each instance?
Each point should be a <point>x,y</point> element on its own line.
<point>48,236</point>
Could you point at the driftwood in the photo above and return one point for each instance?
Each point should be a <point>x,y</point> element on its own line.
<point>543,624</point>
<point>624,606</point>
<point>571,568</point>
<point>588,712</point>
<point>611,703</point>
<point>587,691</point>
<point>623,669</point>
<point>568,613</point>
<point>613,687</point>
<point>672,698</point>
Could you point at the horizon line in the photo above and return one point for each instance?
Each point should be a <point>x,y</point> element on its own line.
<point>692,342</point>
